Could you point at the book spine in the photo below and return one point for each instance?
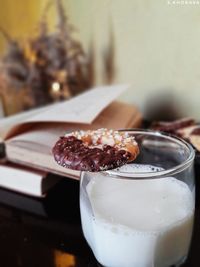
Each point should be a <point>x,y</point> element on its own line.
<point>2,152</point>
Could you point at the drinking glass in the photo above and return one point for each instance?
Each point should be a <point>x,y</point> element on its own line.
<point>141,215</point>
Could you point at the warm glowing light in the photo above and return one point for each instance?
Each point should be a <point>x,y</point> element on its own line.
<point>55,87</point>
<point>63,259</point>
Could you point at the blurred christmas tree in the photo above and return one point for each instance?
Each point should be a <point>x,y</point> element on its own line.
<point>49,67</point>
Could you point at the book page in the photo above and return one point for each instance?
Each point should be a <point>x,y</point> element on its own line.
<point>8,122</point>
<point>40,138</point>
<point>44,135</point>
<point>21,179</point>
<point>83,108</point>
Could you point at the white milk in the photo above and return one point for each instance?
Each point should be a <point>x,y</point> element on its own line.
<point>138,223</point>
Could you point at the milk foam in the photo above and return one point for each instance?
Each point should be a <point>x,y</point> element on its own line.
<point>143,223</point>
<point>138,168</point>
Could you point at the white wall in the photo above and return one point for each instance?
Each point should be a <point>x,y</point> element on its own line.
<point>157,47</point>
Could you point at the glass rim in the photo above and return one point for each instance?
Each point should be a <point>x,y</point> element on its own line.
<point>160,173</point>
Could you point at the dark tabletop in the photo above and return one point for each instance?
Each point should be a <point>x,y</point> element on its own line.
<point>47,232</point>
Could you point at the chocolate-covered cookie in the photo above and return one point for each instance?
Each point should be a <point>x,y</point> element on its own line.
<point>95,151</point>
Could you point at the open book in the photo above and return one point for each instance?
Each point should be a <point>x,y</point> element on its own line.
<point>30,136</point>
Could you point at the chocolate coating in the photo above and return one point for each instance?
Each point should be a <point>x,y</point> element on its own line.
<point>173,126</point>
<point>196,131</point>
<point>72,153</point>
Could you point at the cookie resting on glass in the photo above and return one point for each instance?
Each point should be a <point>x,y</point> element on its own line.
<point>95,150</point>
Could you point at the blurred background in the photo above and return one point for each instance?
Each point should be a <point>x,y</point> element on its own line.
<point>53,50</point>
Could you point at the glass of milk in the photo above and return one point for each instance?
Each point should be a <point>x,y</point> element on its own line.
<point>141,215</point>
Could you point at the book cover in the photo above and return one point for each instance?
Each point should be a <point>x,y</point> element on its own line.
<point>26,180</point>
